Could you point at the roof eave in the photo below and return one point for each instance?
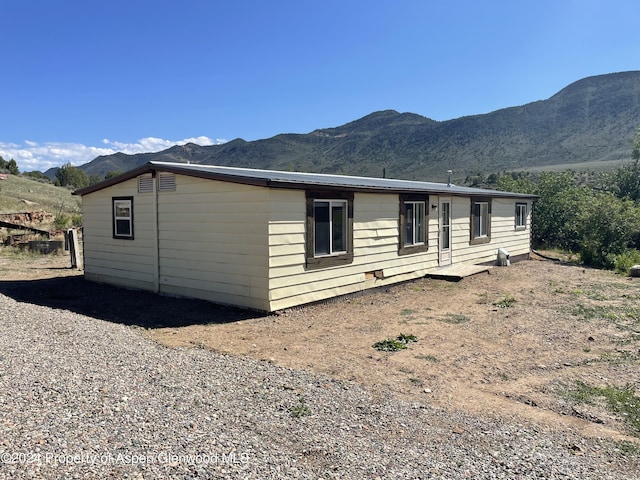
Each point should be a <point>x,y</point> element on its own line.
<point>151,167</point>
<point>129,174</point>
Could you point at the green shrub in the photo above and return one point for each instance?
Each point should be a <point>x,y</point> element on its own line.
<point>406,338</point>
<point>507,302</point>
<point>76,220</point>
<point>599,219</point>
<point>301,409</point>
<point>61,221</point>
<point>394,344</point>
<point>389,345</point>
<point>608,229</point>
<point>627,260</point>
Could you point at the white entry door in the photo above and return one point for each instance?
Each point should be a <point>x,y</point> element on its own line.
<point>444,242</point>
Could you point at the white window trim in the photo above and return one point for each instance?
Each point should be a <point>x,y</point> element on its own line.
<point>413,242</point>
<point>521,214</point>
<point>404,247</point>
<point>482,234</point>
<point>116,218</point>
<point>345,206</point>
<point>313,261</point>
<point>483,222</point>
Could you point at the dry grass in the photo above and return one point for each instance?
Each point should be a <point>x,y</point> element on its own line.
<point>21,194</point>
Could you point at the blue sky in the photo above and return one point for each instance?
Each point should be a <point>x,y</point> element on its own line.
<point>84,78</point>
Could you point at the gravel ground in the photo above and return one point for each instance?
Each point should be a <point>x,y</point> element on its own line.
<point>87,398</point>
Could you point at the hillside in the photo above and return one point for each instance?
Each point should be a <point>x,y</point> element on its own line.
<point>21,194</point>
<point>591,120</point>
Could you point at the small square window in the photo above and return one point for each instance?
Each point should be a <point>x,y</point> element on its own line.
<point>122,208</point>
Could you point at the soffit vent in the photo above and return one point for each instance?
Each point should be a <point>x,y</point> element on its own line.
<point>166,182</point>
<point>145,184</point>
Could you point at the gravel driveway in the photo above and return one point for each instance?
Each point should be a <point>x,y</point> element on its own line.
<point>82,397</point>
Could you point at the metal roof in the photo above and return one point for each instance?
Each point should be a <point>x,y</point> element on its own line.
<point>299,180</point>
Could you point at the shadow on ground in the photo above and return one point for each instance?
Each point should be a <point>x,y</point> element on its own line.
<point>120,305</point>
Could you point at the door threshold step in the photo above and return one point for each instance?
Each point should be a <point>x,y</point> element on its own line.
<point>458,272</point>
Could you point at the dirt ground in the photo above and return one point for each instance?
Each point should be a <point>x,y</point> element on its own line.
<point>509,343</point>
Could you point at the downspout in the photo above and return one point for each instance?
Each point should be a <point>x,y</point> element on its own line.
<point>156,235</point>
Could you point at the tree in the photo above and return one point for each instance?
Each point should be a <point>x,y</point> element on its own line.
<point>113,173</point>
<point>625,182</point>
<point>94,178</point>
<point>509,183</point>
<point>636,146</point>
<point>608,227</point>
<point>70,176</point>
<point>556,212</point>
<point>37,175</point>
<point>12,167</point>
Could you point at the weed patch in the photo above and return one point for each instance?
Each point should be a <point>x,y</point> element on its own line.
<point>394,344</point>
<point>389,345</point>
<point>621,401</point>
<point>618,357</point>
<point>20,253</point>
<point>629,449</point>
<point>406,338</point>
<point>428,358</point>
<point>301,409</point>
<point>507,302</point>
<point>622,316</point>
<point>483,298</point>
<point>455,318</point>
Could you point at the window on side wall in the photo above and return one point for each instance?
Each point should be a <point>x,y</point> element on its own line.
<point>414,219</point>
<point>480,220</point>
<point>521,216</point>
<point>122,211</point>
<point>329,229</point>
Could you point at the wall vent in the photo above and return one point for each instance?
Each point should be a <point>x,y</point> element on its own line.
<point>166,182</point>
<point>145,184</point>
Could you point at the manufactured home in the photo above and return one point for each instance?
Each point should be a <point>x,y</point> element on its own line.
<point>270,240</point>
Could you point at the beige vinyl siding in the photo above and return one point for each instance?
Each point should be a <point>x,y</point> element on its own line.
<point>375,238</point>
<point>128,263</point>
<point>503,232</point>
<point>245,245</point>
<point>212,239</point>
<point>375,246</point>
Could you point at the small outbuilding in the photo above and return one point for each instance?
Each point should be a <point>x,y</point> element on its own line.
<point>270,240</point>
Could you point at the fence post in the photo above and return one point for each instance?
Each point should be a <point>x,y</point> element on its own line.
<point>74,249</point>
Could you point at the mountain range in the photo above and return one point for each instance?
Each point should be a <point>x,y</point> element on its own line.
<point>590,120</point>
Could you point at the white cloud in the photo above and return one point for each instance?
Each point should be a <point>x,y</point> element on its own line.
<point>42,156</point>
